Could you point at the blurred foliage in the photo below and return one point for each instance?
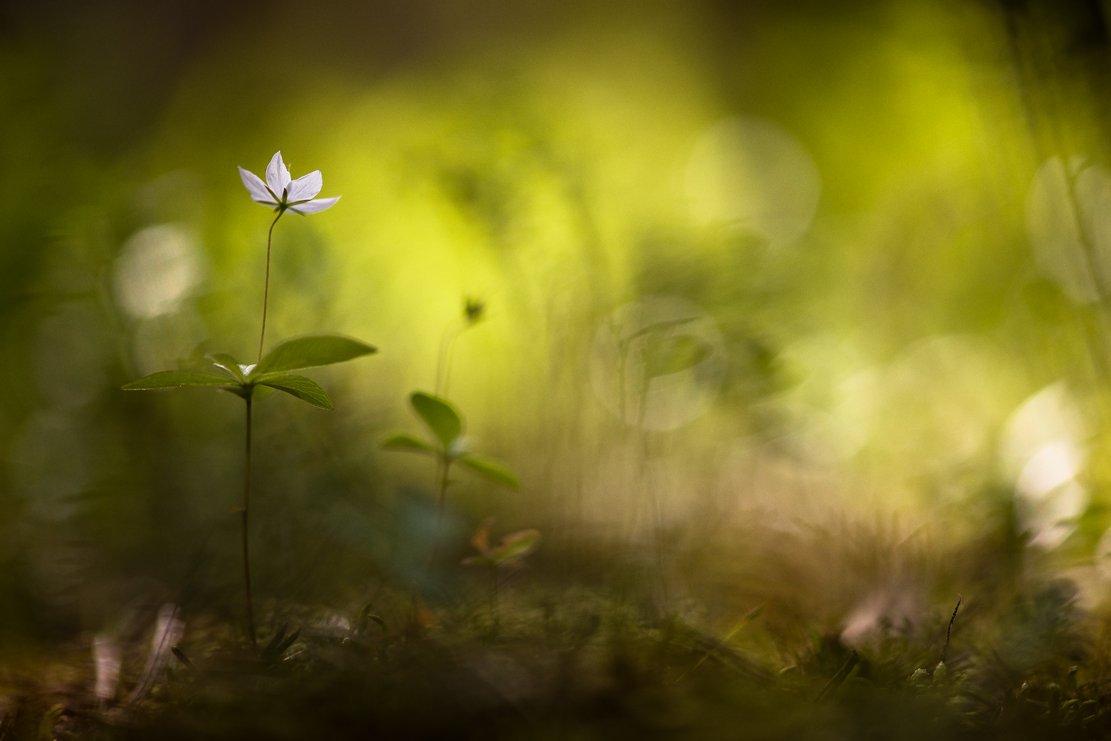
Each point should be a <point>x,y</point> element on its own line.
<point>783,305</point>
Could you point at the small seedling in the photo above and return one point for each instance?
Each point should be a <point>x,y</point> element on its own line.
<point>510,551</point>
<point>447,447</point>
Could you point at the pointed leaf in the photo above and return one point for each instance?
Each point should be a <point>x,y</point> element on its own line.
<point>303,388</point>
<point>514,547</point>
<point>673,354</point>
<point>493,471</point>
<point>657,327</point>
<point>229,365</point>
<point>180,379</point>
<point>308,352</point>
<point>408,442</point>
<point>441,417</point>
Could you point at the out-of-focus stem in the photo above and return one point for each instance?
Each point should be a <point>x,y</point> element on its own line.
<point>445,468</point>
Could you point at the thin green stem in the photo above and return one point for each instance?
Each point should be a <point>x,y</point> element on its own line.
<point>443,365</point>
<point>245,519</point>
<point>445,468</point>
<point>266,283</point>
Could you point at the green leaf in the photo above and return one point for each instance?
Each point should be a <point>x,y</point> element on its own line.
<point>514,547</point>
<point>657,328</point>
<point>181,379</point>
<point>229,365</point>
<point>675,353</point>
<point>303,388</point>
<point>493,471</point>
<point>308,352</point>
<point>408,442</point>
<point>441,417</point>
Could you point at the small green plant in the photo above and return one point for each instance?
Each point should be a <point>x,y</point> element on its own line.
<point>447,447</point>
<point>274,369</point>
<point>507,555</point>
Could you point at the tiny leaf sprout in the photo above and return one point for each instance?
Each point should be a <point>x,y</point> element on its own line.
<point>510,551</point>
<point>448,446</point>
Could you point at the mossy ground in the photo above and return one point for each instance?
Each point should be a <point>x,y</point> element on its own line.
<point>552,658</point>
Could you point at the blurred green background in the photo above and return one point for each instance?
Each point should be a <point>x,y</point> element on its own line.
<point>745,266</point>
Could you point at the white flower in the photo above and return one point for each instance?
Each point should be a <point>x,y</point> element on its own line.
<point>283,192</point>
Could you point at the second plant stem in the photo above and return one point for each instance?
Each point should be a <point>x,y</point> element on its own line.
<point>445,469</point>
<point>245,519</point>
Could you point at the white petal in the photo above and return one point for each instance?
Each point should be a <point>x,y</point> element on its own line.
<point>314,207</point>
<point>256,187</point>
<point>305,187</point>
<point>277,174</point>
